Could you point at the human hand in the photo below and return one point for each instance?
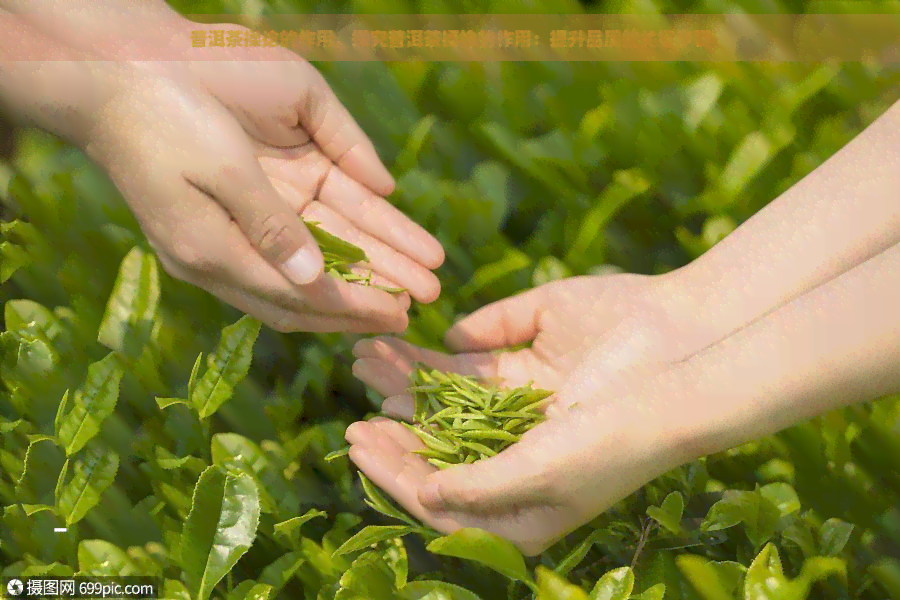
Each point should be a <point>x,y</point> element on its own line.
<point>637,319</point>
<point>303,138</point>
<point>560,475</point>
<point>597,341</point>
<point>192,177</point>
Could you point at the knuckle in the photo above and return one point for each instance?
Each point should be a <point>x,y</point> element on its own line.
<point>272,235</point>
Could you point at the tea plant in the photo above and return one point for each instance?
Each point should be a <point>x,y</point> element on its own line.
<point>174,438</point>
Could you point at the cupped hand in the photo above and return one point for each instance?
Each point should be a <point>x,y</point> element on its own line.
<point>194,180</point>
<point>308,139</point>
<point>607,346</point>
<point>301,137</point>
<point>559,476</point>
<point>636,319</point>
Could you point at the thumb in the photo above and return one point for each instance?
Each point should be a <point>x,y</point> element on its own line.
<point>514,320</point>
<point>497,483</point>
<point>266,218</point>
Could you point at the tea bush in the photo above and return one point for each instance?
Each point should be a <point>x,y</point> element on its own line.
<point>175,438</point>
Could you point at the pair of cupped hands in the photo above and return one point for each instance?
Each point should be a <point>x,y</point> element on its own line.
<point>217,158</point>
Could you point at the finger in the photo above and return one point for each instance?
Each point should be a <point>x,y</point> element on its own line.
<point>405,438</point>
<point>385,455</point>
<point>403,356</point>
<point>511,478</point>
<point>380,219</point>
<point>336,132</point>
<point>209,244</point>
<point>241,186</point>
<point>422,284</point>
<point>279,318</point>
<point>334,224</point>
<point>371,279</point>
<point>401,406</point>
<point>512,321</point>
<point>381,376</point>
<point>315,177</point>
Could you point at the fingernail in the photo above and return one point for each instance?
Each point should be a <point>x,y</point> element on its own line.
<point>304,266</point>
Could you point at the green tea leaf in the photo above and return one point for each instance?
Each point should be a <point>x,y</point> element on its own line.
<point>335,245</point>
<point>103,558</point>
<point>249,590</point>
<point>396,558</point>
<point>372,535</point>
<point>21,313</point>
<point>368,577</point>
<point>226,366</point>
<point>614,585</point>
<point>551,586</point>
<point>61,412</point>
<point>485,548</point>
<point>291,526</point>
<point>669,514</point>
<point>219,529</point>
<point>277,574</point>
<point>33,509</point>
<point>765,578</point>
<point>783,496</point>
<point>60,481</point>
<point>833,536</point>
<point>435,590</point>
<point>167,402</point>
<point>337,454</point>
<point>816,569</point>
<point>379,503</point>
<point>175,590</point>
<point>192,382</point>
<point>571,560</point>
<point>703,577</point>
<point>92,404</point>
<point>127,323</point>
<point>655,592</point>
<point>52,570</point>
<point>10,426</point>
<point>91,477</point>
<point>406,160</point>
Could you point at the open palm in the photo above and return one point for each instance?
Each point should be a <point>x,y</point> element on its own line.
<point>604,343</point>
<point>637,318</point>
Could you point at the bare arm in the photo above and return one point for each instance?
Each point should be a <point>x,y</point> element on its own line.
<point>843,213</point>
<point>47,83</point>
<point>836,345</point>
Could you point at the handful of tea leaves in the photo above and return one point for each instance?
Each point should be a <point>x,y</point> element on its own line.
<point>340,255</point>
<point>461,420</point>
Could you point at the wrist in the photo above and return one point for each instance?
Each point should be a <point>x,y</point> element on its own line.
<point>679,300</point>
<point>147,32</point>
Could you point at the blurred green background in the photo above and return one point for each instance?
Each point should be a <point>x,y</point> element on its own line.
<point>526,172</point>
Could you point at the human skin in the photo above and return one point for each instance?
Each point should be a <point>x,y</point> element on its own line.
<point>808,238</point>
<point>265,141</point>
<point>810,234</point>
<point>837,345</point>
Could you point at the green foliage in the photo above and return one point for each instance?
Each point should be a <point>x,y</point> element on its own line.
<point>174,437</point>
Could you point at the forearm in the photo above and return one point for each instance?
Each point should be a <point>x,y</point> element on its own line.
<point>844,212</point>
<point>46,83</point>
<point>143,30</point>
<point>834,346</point>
